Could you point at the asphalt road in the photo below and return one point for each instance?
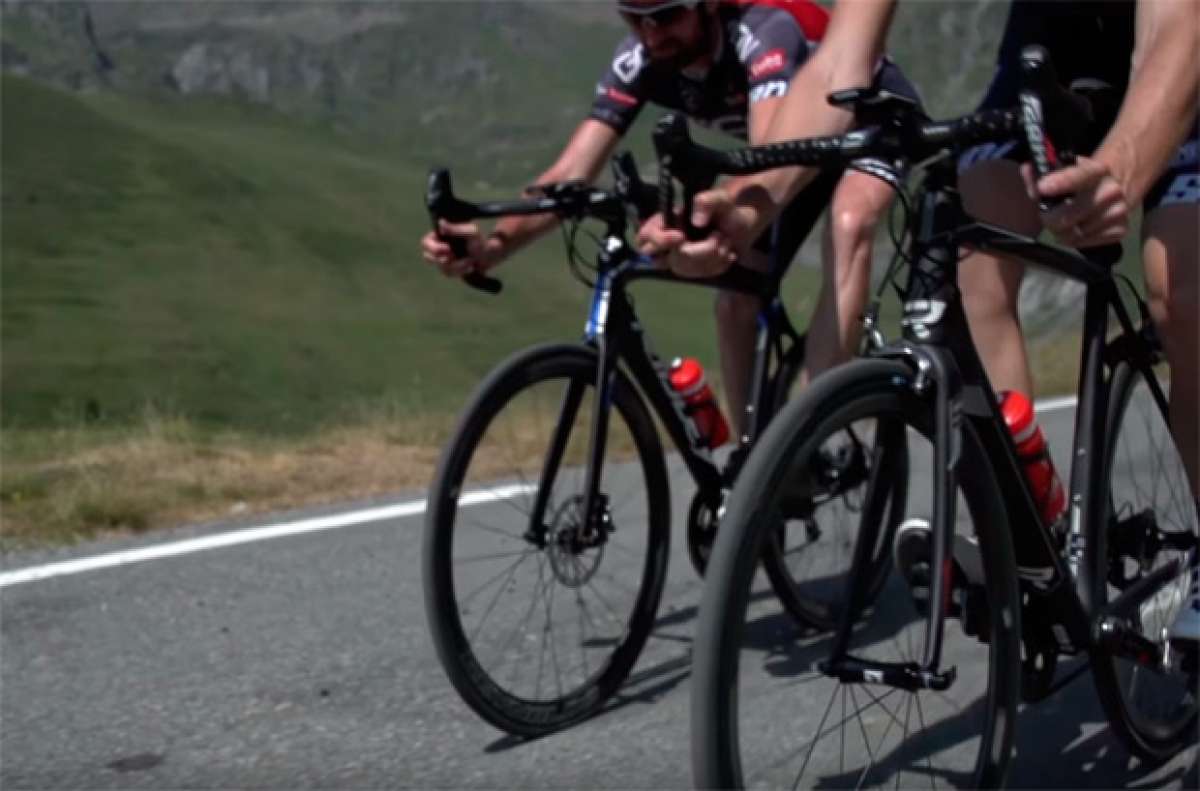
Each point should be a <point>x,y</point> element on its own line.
<point>304,661</point>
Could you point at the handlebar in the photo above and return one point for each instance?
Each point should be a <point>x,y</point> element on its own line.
<point>565,198</point>
<point>1050,120</point>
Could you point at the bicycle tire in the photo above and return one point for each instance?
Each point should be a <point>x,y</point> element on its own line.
<point>1142,471</point>
<point>610,637</point>
<point>788,550</point>
<point>862,387</point>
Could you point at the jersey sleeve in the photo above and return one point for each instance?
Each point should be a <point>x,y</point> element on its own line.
<point>620,91</point>
<point>771,47</point>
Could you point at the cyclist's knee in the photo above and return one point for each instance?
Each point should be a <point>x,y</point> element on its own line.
<point>1171,258</point>
<point>858,204</point>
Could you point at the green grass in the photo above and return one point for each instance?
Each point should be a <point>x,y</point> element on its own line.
<point>249,272</point>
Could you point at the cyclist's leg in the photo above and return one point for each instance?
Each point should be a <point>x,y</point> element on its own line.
<point>737,313</point>
<point>736,316</point>
<point>1171,258</point>
<point>993,191</point>
<point>858,204</point>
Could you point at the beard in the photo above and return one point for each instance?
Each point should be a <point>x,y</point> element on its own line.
<point>686,53</point>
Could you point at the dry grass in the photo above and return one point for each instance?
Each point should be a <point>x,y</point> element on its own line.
<point>75,484</point>
<point>70,485</point>
<point>79,483</point>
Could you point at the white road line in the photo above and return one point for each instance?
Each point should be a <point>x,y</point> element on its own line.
<point>283,529</point>
<point>245,536</point>
<point>1051,404</point>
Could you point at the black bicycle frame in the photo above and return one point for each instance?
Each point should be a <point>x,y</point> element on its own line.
<point>617,334</point>
<point>937,342</point>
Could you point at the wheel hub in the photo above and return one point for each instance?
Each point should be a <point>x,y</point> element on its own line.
<point>576,545</point>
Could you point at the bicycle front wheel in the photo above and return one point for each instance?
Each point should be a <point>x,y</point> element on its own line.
<point>539,612</point>
<point>1150,521</point>
<point>767,709</point>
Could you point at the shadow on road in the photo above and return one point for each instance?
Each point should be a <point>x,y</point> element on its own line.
<point>1065,742</point>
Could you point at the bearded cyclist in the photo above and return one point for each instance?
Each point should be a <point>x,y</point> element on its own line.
<point>727,65</point>
<point>1146,50</point>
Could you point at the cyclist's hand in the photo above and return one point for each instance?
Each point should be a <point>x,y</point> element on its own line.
<point>706,257</point>
<point>1096,212</point>
<point>437,250</point>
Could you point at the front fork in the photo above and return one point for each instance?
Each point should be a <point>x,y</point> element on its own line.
<point>932,304</point>
<point>934,374</point>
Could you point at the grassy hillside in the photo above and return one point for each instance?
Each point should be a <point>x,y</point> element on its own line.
<point>182,281</point>
<point>241,269</point>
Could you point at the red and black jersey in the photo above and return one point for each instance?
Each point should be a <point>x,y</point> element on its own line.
<point>762,44</point>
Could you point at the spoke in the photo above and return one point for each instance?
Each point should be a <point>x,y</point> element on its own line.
<point>862,725</point>
<point>907,716</point>
<point>521,631</point>
<point>925,737</point>
<point>553,643</point>
<point>618,583</point>
<point>506,573</point>
<point>633,553</point>
<point>617,617</point>
<point>509,500</point>
<point>493,556</point>
<point>583,617</point>
<point>842,731</point>
<point>820,728</point>
<point>878,701</point>
<point>492,529</point>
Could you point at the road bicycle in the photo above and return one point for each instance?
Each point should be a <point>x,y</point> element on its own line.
<point>540,605</point>
<point>919,685</point>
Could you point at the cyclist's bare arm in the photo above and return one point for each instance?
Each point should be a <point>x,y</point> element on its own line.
<point>742,208</point>
<point>715,253</point>
<point>846,58</point>
<point>583,157</point>
<point>1158,110</point>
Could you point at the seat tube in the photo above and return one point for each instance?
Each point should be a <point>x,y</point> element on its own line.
<point>758,400</point>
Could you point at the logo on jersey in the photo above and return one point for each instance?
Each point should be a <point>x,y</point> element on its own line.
<point>747,42</point>
<point>629,64</point>
<point>768,90</point>
<point>621,97</point>
<point>766,64</point>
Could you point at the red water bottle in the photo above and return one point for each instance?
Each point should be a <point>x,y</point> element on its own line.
<point>687,378</point>
<point>1034,455</point>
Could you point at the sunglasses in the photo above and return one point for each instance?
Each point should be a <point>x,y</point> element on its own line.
<point>662,17</point>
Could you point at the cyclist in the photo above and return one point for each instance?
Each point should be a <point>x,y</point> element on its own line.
<point>1147,51</point>
<point>726,65</point>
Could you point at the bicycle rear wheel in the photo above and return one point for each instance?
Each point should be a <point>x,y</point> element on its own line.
<point>1150,521</point>
<point>859,473</point>
<point>766,713</point>
<point>539,618</point>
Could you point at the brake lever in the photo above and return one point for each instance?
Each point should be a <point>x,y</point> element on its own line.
<point>671,143</point>
<point>1046,106</point>
<point>441,204</point>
